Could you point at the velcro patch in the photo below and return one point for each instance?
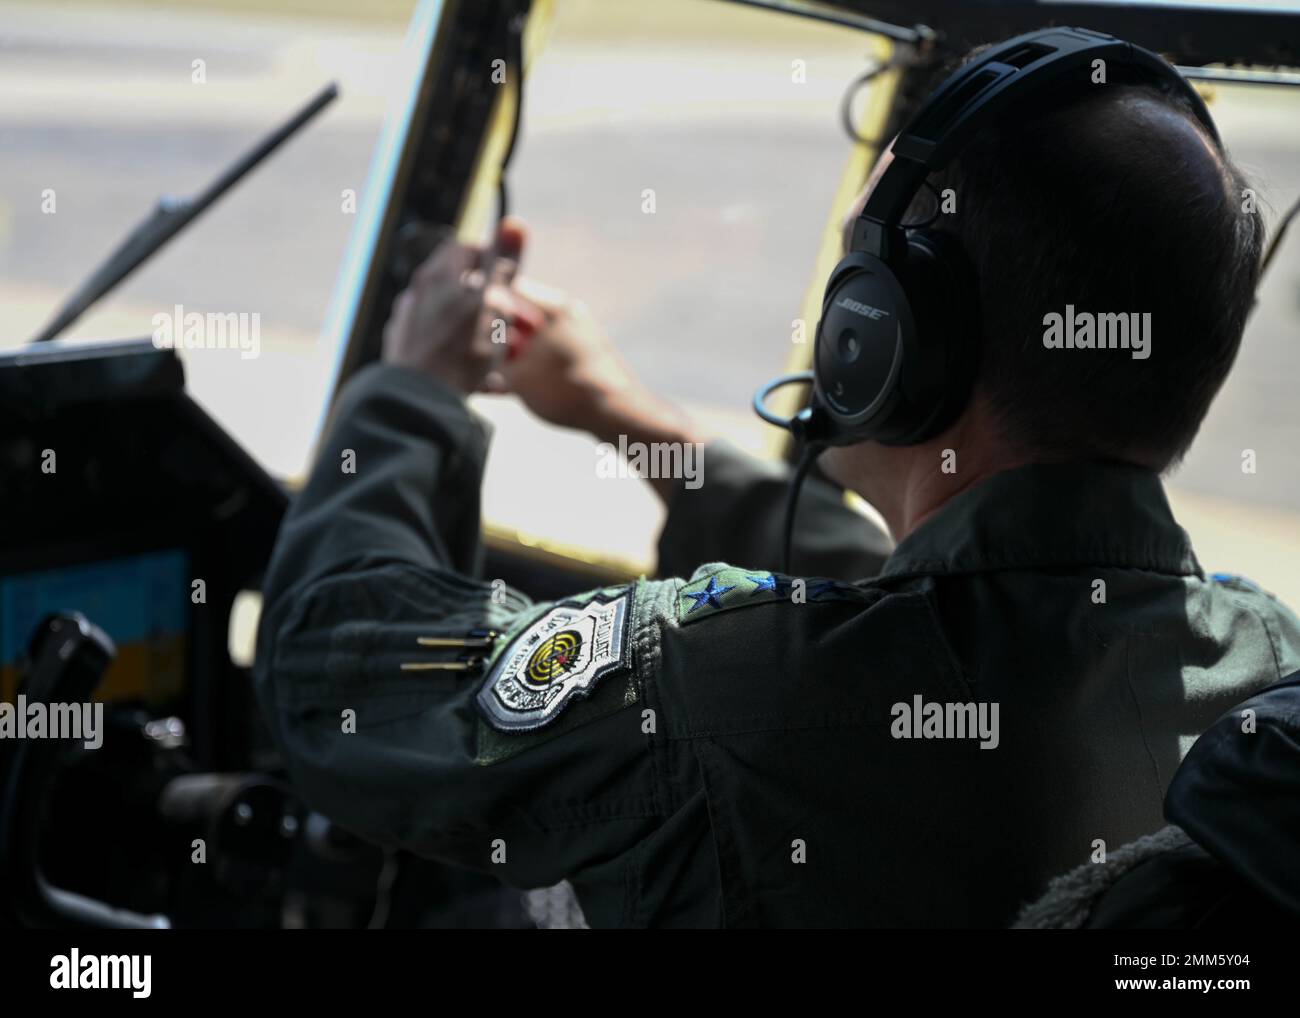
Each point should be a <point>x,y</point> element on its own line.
<point>558,658</point>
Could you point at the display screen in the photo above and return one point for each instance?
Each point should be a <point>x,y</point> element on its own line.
<point>140,601</point>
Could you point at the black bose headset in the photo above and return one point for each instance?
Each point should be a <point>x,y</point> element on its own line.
<point>898,341</point>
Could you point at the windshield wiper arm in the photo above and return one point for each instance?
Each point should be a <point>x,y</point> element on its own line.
<point>170,216</point>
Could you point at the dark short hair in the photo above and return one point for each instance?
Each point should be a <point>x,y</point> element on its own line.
<point>1084,203</point>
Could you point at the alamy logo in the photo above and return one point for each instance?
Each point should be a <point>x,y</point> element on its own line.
<point>102,972</point>
<point>683,460</point>
<point>1085,331</point>
<point>858,308</point>
<point>40,720</point>
<point>921,720</point>
<point>188,330</point>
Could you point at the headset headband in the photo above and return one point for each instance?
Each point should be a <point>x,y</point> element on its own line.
<point>982,91</point>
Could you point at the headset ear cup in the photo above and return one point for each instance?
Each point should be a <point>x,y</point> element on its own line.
<point>944,300</point>
<point>863,337</point>
<point>896,348</point>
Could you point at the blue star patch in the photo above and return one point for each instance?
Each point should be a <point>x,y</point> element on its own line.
<point>762,583</point>
<point>704,596</point>
<point>708,596</point>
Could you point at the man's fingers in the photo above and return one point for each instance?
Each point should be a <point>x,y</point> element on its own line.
<point>450,260</point>
<point>474,266</point>
<point>511,239</point>
<point>500,301</point>
<point>501,261</point>
<point>550,300</point>
<point>494,382</point>
<point>401,309</point>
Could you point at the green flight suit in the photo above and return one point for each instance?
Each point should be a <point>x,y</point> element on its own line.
<point>928,747</point>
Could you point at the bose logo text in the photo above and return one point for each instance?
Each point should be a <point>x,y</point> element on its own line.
<point>858,308</point>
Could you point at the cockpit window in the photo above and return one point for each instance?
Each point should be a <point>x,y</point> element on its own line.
<point>108,111</point>
<point>678,165</point>
<point>1236,492</point>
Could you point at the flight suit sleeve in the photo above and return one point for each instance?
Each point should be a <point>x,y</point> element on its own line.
<point>533,765</point>
<point>736,515</point>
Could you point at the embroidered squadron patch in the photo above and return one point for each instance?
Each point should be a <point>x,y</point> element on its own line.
<point>559,657</point>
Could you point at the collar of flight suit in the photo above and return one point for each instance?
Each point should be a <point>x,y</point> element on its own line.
<point>1046,516</point>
